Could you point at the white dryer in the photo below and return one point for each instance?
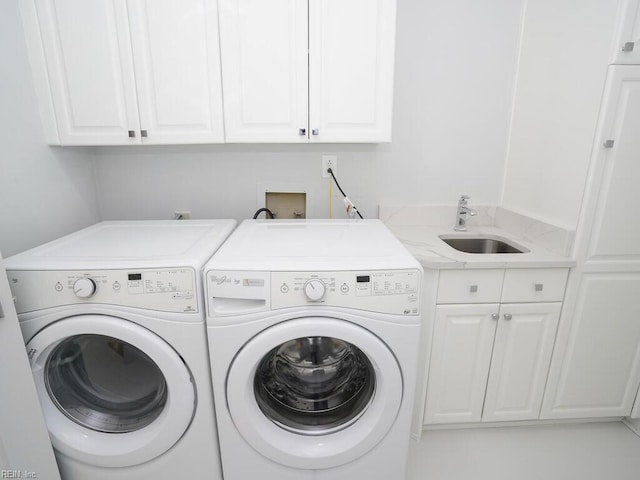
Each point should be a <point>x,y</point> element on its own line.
<point>113,320</point>
<point>313,331</point>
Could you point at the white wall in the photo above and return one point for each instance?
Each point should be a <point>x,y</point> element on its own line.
<point>44,192</point>
<point>455,74</point>
<point>563,63</point>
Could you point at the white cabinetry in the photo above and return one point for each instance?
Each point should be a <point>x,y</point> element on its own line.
<point>307,70</point>
<point>490,356</point>
<point>596,366</point>
<point>627,43</point>
<point>118,72</point>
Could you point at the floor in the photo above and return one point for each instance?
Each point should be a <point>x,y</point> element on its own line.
<point>596,451</point>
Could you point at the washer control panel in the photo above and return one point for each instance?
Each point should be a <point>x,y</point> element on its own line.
<point>164,289</point>
<point>387,291</point>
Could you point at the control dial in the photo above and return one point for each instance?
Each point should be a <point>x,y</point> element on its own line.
<point>315,289</point>
<point>84,287</point>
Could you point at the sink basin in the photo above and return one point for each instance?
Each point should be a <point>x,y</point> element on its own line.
<point>482,244</point>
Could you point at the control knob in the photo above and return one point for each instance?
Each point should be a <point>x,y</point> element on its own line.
<point>315,289</point>
<point>84,287</point>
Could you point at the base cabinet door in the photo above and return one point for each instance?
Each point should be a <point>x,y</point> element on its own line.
<point>489,362</point>
<point>460,358</point>
<point>599,373</point>
<point>520,362</point>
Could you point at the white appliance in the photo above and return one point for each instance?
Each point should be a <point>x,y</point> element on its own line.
<point>113,320</point>
<point>313,331</point>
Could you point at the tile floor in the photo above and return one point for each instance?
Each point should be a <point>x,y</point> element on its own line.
<point>595,451</point>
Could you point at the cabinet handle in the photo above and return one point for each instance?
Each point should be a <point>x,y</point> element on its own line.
<point>1,311</point>
<point>608,143</point>
<point>508,316</point>
<point>473,288</point>
<point>143,133</point>
<point>539,287</point>
<point>495,316</point>
<point>315,131</point>
<point>132,134</point>
<point>302,131</point>
<point>628,47</point>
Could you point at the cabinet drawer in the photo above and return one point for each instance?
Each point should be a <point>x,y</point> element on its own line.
<point>470,286</point>
<point>534,285</point>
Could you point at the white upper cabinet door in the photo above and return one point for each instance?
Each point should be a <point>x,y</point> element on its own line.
<point>615,234</point>
<point>627,44</point>
<point>351,65</point>
<point>177,66</point>
<point>520,361</point>
<point>265,70</point>
<point>86,47</point>
<point>460,357</point>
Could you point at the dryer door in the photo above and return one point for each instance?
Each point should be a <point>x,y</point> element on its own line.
<point>113,393</point>
<point>314,393</point>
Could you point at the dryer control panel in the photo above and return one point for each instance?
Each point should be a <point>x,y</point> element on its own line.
<point>163,289</point>
<point>385,291</point>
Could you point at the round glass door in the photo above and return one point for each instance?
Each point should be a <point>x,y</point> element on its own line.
<point>113,393</point>
<point>105,384</point>
<point>313,384</point>
<point>314,393</point>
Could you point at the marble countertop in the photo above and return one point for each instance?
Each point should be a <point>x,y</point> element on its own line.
<point>424,243</point>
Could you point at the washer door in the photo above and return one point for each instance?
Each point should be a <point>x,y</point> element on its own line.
<point>113,393</point>
<point>314,393</point>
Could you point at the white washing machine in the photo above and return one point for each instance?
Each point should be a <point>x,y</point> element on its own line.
<point>313,331</point>
<point>114,325</point>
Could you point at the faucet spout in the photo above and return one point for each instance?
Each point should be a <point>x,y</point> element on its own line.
<point>462,212</point>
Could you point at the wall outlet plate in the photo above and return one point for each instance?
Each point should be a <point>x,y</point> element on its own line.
<point>329,161</point>
<point>181,215</point>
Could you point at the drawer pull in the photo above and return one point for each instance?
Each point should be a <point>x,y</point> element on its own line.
<point>495,316</point>
<point>473,289</point>
<point>508,316</point>
<point>539,287</point>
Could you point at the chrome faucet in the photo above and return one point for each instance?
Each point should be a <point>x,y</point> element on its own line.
<point>462,212</point>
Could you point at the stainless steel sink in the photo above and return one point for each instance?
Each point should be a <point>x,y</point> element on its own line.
<point>482,244</point>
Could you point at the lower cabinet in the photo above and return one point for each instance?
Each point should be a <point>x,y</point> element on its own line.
<point>489,361</point>
<point>596,370</point>
<point>520,362</point>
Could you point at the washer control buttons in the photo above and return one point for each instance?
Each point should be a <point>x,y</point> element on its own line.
<point>58,287</point>
<point>117,286</point>
<point>84,287</point>
<point>284,288</point>
<point>315,289</point>
<point>344,288</point>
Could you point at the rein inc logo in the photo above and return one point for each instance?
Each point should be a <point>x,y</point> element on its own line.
<point>18,474</point>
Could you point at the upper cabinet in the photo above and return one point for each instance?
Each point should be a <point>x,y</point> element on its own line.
<point>308,70</point>
<point>627,43</point>
<point>120,72</point>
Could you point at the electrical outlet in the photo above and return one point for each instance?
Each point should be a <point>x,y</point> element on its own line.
<point>181,215</point>
<point>329,161</point>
